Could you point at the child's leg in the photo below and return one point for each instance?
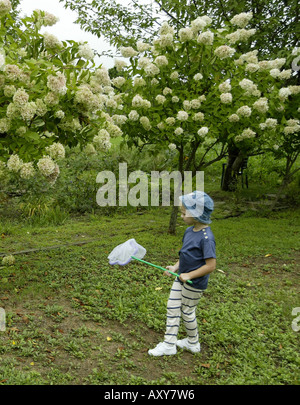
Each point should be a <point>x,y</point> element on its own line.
<point>190,299</point>
<point>173,313</point>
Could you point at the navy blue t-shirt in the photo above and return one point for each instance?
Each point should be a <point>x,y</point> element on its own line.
<point>196,247</point>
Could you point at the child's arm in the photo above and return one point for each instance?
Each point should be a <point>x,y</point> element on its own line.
<point>174,269</point>
<point>210,265</point>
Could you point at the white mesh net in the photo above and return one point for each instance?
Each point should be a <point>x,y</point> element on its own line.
<point>122,253</point>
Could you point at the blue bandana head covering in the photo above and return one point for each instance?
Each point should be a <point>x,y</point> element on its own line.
<point>199,205</point>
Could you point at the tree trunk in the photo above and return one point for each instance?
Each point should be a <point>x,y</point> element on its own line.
<point>173,220</point>
<point>234,163</point>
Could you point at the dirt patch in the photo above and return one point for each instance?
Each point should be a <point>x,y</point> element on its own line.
<point>87,351</point>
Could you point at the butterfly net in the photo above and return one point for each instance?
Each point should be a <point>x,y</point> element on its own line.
<point>122,254</point>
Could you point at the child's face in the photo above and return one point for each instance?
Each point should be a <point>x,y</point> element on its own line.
<point>188,219</point>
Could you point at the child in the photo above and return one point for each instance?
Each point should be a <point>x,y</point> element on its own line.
<point>197,259</point>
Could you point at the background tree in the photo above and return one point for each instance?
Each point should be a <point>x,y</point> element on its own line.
<point>51,95</point>
<point>120,25</point>
<point>196,92</point>
<point>276,24</point>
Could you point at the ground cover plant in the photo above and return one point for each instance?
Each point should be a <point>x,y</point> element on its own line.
<point>71,318</point>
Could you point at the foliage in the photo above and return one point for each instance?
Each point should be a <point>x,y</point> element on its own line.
<point>197,89</point>
<point>124,25</point>
<point>71,318</point>
<point>51,95</point>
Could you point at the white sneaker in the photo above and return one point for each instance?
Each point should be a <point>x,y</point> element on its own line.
<point>185,344</point>
<point>163,349</point>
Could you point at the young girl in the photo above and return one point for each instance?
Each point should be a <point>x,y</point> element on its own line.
<point>197,259</point>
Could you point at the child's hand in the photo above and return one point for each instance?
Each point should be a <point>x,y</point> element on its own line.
<point>171,268</point>
<point>184,277</point>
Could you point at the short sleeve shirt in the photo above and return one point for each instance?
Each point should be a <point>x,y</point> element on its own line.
<point>196,247</point>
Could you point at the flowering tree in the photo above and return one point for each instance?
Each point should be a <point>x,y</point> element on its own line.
<point>51,95</point>
<point>127,22</point>
<point>195,92</point>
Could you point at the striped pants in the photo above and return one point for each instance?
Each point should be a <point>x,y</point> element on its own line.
<point>182,303</point>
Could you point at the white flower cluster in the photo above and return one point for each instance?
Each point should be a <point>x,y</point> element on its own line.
<point>57,83</point>
<point>166,36</point>
<point>206,38</point>
<point>139,102</point>
<point>199,116</point>
<point>151,70</point>
<point>28,111</point>
<point>233,118</point>
<point>113,129</point>
<point>261,105</point>
<point>185,34</point>
<point>102,140</point>
<point>202,131</point>
<point>5,7</point>
<point>244,111</point>
<point>182,116</point>
<point>133,115</point>
<point>266,65</point>
<point>292,127</point>
<point>85,51</point>
<point>85,97</point>
<point>225,87</point>
<point>226,98</point>
<point>178,131</point>
<point>270,123</point>
<point>13,72</point>
<point>172,146</point>
<point>248,57</point>
<point>246,134</point>
<point>142,46</point>
<point>51,41</point>
<point>160,99</point>
<point>294,89</point>
<point>120,64</point>
<point>46,18</point>
<point>27,170</point>
<point>197,77</point>
<point>170,121</point>
<point>102,76</point>
<point>56,151</point>
<point>200,23</point>
<point>240,35</point>
<point>282,75</point>
<point>145,123</point>
<point>249,87</point>
<point>118,81</point>
<point>4,125</point>
<point>119,119</point>
<point>46,166</point>
<point>20,97</point>
<point>128,51</point>
<point>224,51</point>
<point>14,163</point>
<point>242,19</point>
<point>138,81</point>
<point>161,61</point>
<point>284,93</point>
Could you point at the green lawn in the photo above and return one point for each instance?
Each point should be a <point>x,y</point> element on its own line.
<point>71,318</point>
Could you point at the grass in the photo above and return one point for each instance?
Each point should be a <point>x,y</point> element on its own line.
<point>71,318</point>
